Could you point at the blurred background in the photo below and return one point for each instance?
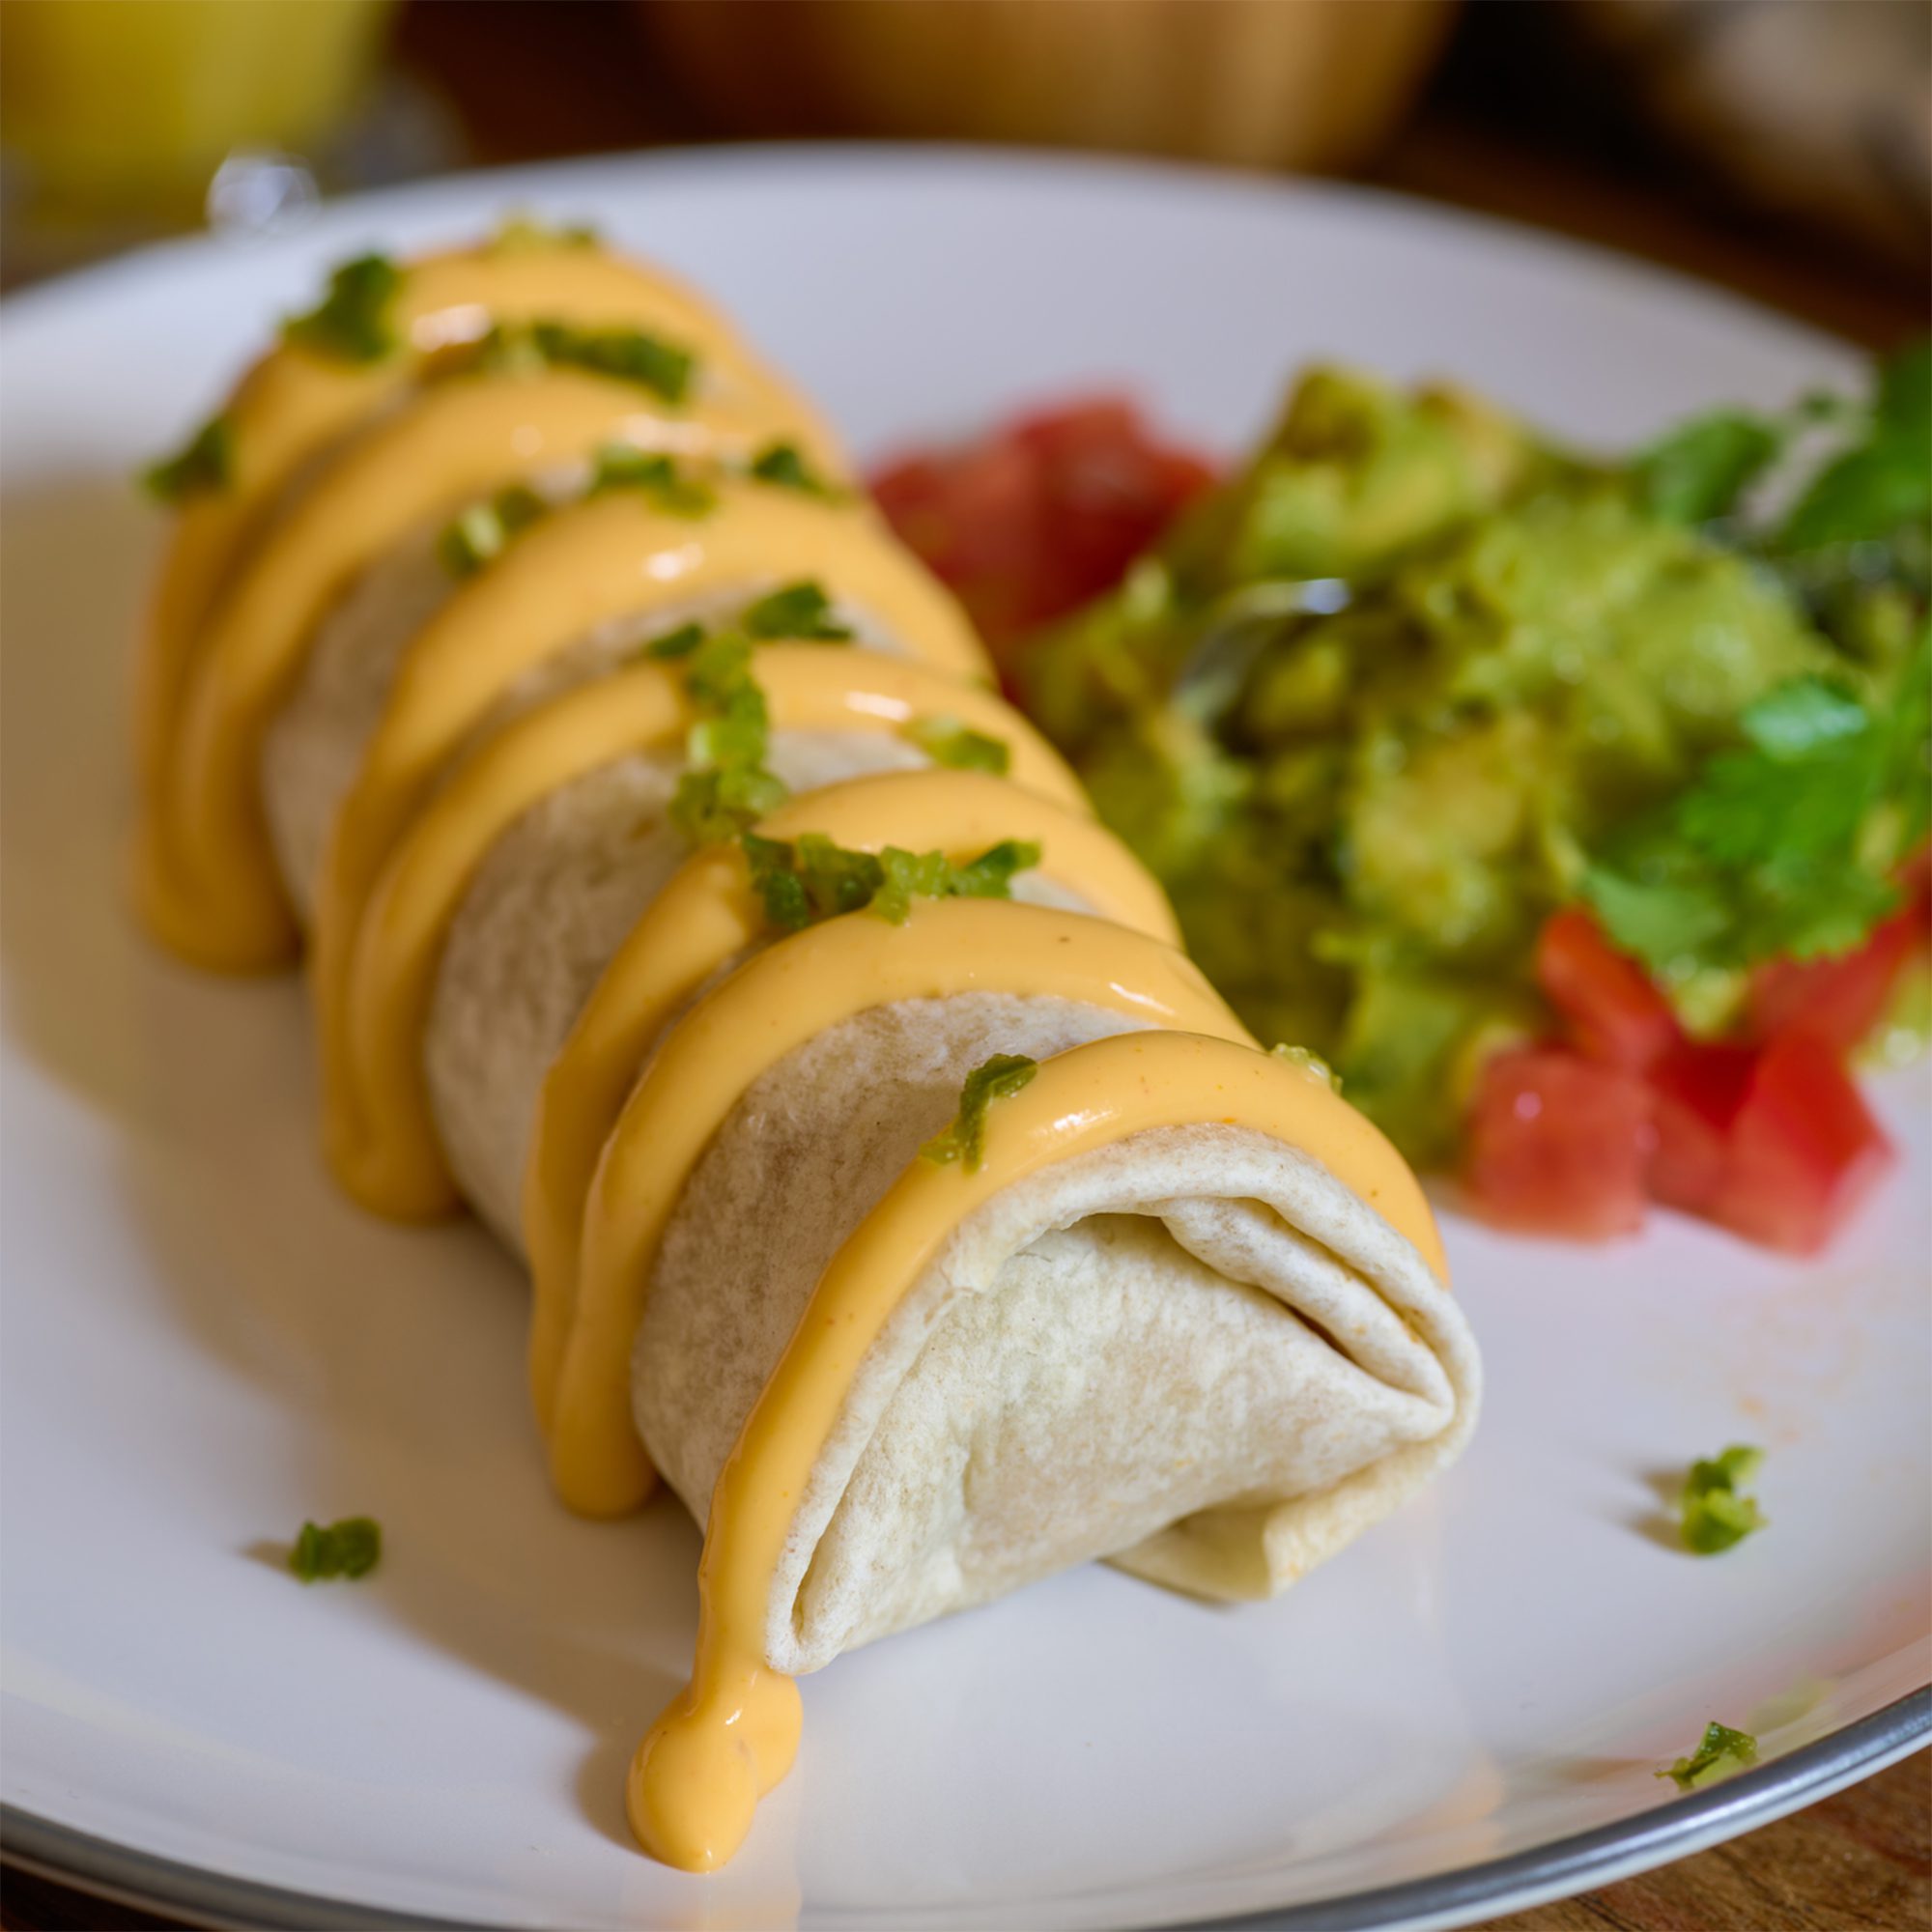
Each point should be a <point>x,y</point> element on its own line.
<point>1783,147</point>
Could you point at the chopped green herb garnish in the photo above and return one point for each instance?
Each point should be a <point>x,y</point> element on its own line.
<point>1883,483</point>
<point>352,322</point>
<point>1312,1063</point>
<point>965,1140</point>
<point>623,466</point>
<point>351,1548</point>
<point>817,878</point>
<point>1716,1514</point>
<point>625,354</point>
<point>677,643</point>
<point>948,742</point>
<point>727,788</point>
<point>206,462</point>
<point>800,610</point>
<point>481,532</point>
<point>1785,847</point>
<point>1722,1752</point>
<point>525,234</point>
<point>1698,472</point>
<point>784,465</point>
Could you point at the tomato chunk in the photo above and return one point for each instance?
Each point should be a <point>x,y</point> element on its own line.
<point>1805,1150</point>
<point>1696,1090</point>
<point>1042,515</point>
<point>1558,1145</point>
<point>1838,1001</point>
<point>1613,1010</point>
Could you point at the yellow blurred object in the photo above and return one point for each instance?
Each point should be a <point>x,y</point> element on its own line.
<point>123,107</point>
<point>1274,83</point>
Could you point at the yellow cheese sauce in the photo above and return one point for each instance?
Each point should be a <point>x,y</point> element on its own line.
<point>611,555</point>
<point>706,916</point>
<point>293,402</point>
<point>206,872</point>
<point>731,1734</point>
<point>777,1001</point>
<point>378,1127</point>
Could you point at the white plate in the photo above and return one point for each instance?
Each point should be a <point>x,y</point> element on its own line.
<point>203,1345</point>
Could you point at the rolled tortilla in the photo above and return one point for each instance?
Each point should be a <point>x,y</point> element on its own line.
<point>1195,1353</point>
<point>1192,1315</point>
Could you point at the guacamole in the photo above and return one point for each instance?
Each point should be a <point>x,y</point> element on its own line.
<point>1414,678</point>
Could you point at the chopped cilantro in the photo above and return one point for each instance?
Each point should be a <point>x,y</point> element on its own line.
<point>623,466</point>
<point>625,354</point>
<point>1883,483</point>
<point>948,742</point>
<point>1699,470</point>
<point>481,532</point>
<point>1784,847</point>
<point>1716,1514</point>
<point>727,786</point>
<point>817,878</point>
<point>351,1548</point>
<point>677,643</point>
<point>352,322</point>
<point>1311,1063</point>
<point>206,462</point>
<point>1721,1752</point>
<point>784,465</point>
<point>526,234</point>
<point>801,611</point>
<point>965,1140</point>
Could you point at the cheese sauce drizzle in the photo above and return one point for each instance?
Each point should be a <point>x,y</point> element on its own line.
<point>705,916</point>
<point>378,1126</point>
<point>609,555</point>
<point>205,873</point>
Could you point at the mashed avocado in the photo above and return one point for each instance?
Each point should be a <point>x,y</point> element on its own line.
<point>1378,706</point>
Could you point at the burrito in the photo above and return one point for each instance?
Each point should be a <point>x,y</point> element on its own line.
<point>683,901</point>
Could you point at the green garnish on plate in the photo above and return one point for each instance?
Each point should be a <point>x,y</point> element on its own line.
<point>623,466</point>
<point>352,322</point>
<point>815,878</point>
<point>480,533</point>
<point>801,611</point>
<point>624,354</point>
<point>958,748</point>
<point>1309,1062</point>
<point>526,234</point>
<point>351,1548</point>
<point>1715,1514</point>
<point>727,788</point>
<point>784,465</point>
<point>1784,847</point>
<point>203,464</point>
<point>1722,1753</point>
<point>999,1078</point>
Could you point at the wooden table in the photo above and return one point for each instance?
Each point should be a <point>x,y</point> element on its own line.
<point>529,79</point>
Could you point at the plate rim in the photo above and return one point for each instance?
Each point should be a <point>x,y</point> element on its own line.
<point>552,175</point>
<point>108,1867</point>
<point>1560,1869</point>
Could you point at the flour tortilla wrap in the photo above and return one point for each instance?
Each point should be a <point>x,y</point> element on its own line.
<point>315,745</point>
<point>1195,1353</point>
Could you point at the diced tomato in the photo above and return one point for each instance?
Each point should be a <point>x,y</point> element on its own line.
<point>1614,1011</point>
<point>1696,1090</point>
<point>1805,1150</point>
<point>1558,1145</point>
<point>1838,1001</point>
<point>1042,515</point>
